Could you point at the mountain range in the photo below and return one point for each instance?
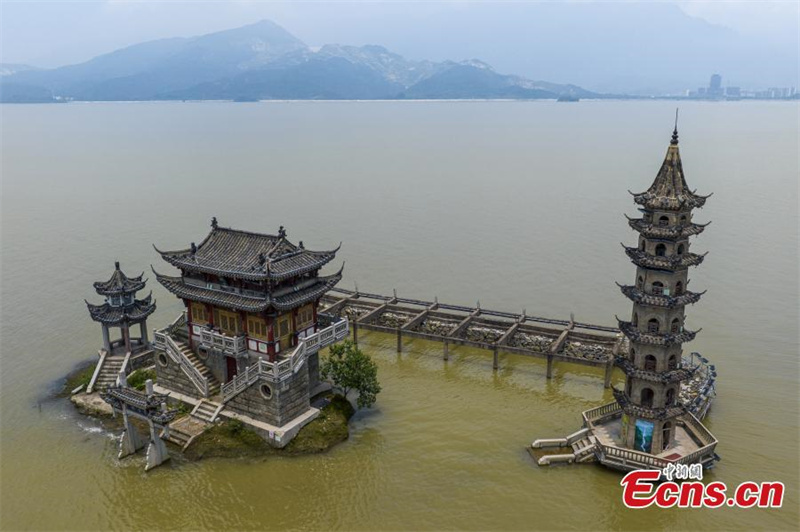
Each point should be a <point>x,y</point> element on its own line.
<point>263,61</point>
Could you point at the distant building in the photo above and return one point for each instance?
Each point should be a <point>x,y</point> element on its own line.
<point>715,86</point>
<point>733,92</point>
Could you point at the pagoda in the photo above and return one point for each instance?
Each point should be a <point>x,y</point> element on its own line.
<point>651,424</point>
<point>122,309</point>
<point>248,341</point>
<point>653,364</point>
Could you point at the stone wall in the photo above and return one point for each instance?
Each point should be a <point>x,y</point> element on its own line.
<point>171,376</point>
<point>313,370</point>
<point>288,399</point>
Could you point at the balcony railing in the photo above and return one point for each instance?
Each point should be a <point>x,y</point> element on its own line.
<point>280,370</point>
<point>229,345</point>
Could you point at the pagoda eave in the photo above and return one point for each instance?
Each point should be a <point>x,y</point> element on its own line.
<point>667,263</point>
<point>667,232</point>
<point>659,300</point>
<point>666,377</point>
<point>632,409</point>
<point>651,338</point>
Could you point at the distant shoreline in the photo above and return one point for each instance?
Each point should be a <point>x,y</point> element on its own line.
<point>424,100</point>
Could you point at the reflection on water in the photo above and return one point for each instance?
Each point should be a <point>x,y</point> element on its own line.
<point>516,204</point>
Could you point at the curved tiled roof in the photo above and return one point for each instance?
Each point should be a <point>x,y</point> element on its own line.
<point>245,255</point>
<point>672,232</point>
<point>666,262</point>
<point>669,190</point>
<point>119,283</point>
<point>286,301</point>
<point>133,313</point>
<point>659,300</point>
<point>665,339</point>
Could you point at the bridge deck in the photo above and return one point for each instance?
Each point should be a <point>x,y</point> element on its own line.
<point>498,331</point>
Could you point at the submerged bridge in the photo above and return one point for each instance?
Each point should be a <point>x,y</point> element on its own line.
<point>497,331</point>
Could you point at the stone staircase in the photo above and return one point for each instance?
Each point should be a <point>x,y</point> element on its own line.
<point>108,373</point>
<point>206,411</point>
<point>213,383</point>
<point>178,437</point>
<point>584,448</point>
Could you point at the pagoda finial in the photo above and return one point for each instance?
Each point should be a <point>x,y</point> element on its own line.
<point>213,222</point>
<point>116,265</point>
<point>674,140</point>
<point>193,248</point>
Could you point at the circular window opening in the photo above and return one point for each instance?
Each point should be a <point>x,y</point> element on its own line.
<point>162,359</point>
<point>266,391</point>
<point>203,353</point>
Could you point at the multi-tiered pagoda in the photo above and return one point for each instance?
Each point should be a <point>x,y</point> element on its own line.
<point>122,310</point>
<point>653,366</point>
<point>249,339</point>
<point>651,424</point>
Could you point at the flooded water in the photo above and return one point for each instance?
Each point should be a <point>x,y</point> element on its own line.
<point>518,205</point>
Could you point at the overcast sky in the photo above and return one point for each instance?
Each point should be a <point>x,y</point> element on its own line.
<point>54,33</point>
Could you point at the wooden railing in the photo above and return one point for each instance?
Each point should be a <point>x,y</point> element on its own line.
<point>282,369</point>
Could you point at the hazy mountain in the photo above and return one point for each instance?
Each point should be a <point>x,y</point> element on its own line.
<point>264,61</point>
<point>7,69</point>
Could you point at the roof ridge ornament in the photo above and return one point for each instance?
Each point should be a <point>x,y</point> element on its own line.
<point>282,232</point>
<point>213,222</point>
<point>116,265</point>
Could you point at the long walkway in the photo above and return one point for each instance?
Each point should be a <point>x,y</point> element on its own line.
<point>497,331</point>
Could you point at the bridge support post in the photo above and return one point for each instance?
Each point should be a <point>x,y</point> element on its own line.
<point>446,350</point>
<point>549,366</point>
<point>355,331</point>
<point>399,340</point>
<point>609,371</point>
<point>131,441</point>
<point>157,452</point>
<point>495,359</point>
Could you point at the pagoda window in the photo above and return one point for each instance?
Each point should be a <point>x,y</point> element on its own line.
<point>633,355</point>
<point>680,249</point>
<point>665,432</point>
<point>115,301</point>
<point>635,321</point>
<point>678,288</point>
<point>641,245</point>
<point>285,325</point>
<point>650,363</point>
<point>647,398</point>
<point>199,313</point>
<point>658,288</point>
<point>672,363</point>
<point>639,282</point>
<point>661,250</point>
<point>676,325</point>
<point>653,326</point>
<point>256,327</point>
<point>663,221</point>
<point>683,220</point>
<point>670,400</point>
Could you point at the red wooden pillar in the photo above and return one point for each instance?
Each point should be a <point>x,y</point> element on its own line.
<point>271,338</point>
<point>189,320</point>
<point>314,314</point>
<point>295,333</point>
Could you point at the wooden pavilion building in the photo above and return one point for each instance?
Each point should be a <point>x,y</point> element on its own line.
<point>247,344</point>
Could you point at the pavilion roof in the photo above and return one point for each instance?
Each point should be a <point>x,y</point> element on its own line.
<point>669,190</point>
<point>119,283</point>
<point>133,313</point>
<point>246,255</point>
<point>281,300</point>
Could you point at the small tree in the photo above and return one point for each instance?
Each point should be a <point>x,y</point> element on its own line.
<point>350,369</point>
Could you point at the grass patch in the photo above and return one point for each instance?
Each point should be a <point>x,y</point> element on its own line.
<point>82,375</point>
<point>229,439</point>
<point>232,438</point>
<point>139,377</point>
<point>327,430</point>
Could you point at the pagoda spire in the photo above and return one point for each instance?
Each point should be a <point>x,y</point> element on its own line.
<point>674,141</point>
